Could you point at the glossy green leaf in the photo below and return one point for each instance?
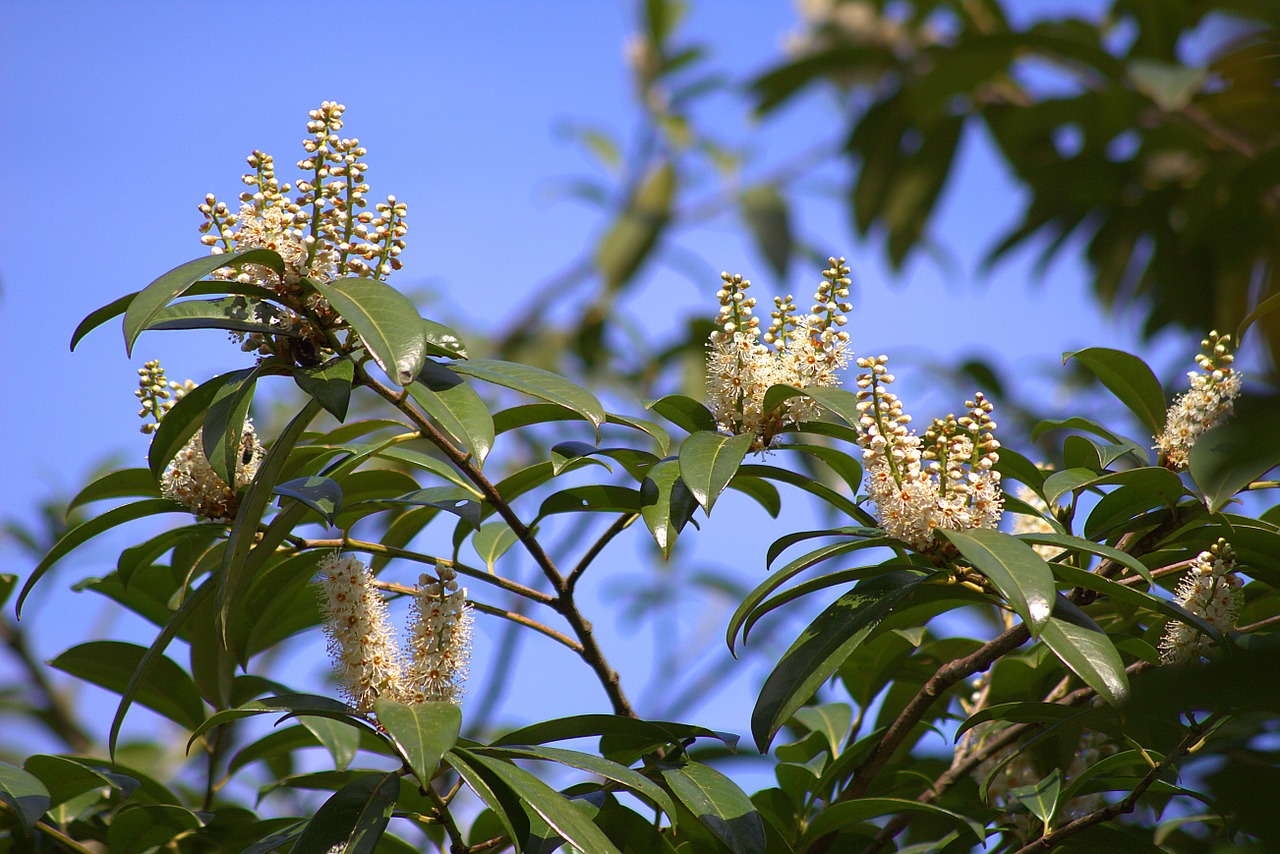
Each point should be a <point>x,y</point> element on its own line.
<point>151,300</point>
<point>657,733</point>
<point>386,321</point>
<point>550,387</point>
<point>423,733</point>
<point>122,483</point>
<point>847,813</point>
<point>719,804</point>
<point>761,491</point>
<point>838,401</point>
<point>1129,379</point>
<point>1157,481</point>
<point>844,465</point>
<point>809,485</point>
<point>223,432</point>
<point>144,827</point>
<point>182,422</point>
<point>456,407</point>
<point>1086,649</point>
<point>427,462</point>
<point>666,504</point>
<point>1101,549</point>
<point>562,453</point>
<point>563,817</point>
<point>1132,596</point>
<point>143,555</point>
<point>823,646</point>
<point>503,803</point>
<point>786,541</point>
<point>234,313</point>
<point>353,819</point>
<point>233,575</point>
<point>321,494</point>
<point>1226,459</point>
<point>452,499</point>
<point>768,217</point>
<point>99,316</point>
<point>167,689</point>
<point>329,383</point>
<point>684,412</point>
<point>23,794</point>
<point>286,704</point>
<point>443,341</point>
<point>1021,575</point>
<point>1041,798</point>
<point>708,461</point>
<point>88,530</point>
<point>592,498</point>
<point>492,541</point>
<point>632,237</point>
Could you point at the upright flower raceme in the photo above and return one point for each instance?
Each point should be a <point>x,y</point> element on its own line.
<point>1208,403</point>
<point>1209,590</point>
<point>368,659</point>
<point>943,480</point>
<point>798,349</point>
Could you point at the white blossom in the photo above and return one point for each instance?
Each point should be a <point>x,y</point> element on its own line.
<point>1208,403</point>
<point>1210,590</point>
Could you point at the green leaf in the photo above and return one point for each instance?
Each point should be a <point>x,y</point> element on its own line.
<point>1021,575</point>
<point>767,215</point>
<point>1042,797</point>
<point>151,300</point>
<point>143,827</point>
<point>666,504</point>
<point>123,483</point>
<point>837,816</point>
<point>618,727</point>
<point>708,461</point>
<point>719,804</point>
<point>235,313</point>
<point>497,796</point>
<point>99,316</point>
<point>550,387</point>
<point>631,238</point>
<point>1263,308</point>
<point>1125,593</point>
<point>562,816</point>
<point>386,321</point>
<point>592,498</point>
<point>289,704</point>
<point>443,341</point>
<point>832,720</point>
<point>1226,459</point>
<point>492,541</point>
<point>321,494</point>
<point>221,438</point>
<point>81,534</point>
<point>182,422</point>
<point>809,485</point>
<point>1170,85</point>
<point>562,453</point>
<point>1087,650</point>
<point>838,401</point>
<point>823,646</point>
<point>353,819</point>
<point>66,779</point>
<point>1018,712</point>
<point>1153,479</point>
<point>338,737</point>
<point>1101,549</point>
<point>329,383</point>
<point>252,505</point>
<point>1129,379</point>
<point>23,794</point>
<point>423,733</point>
<point>452,499</point>
<point>761,491</point>
<point>684,412</point>
<point>166,690</point>
<point>456,407</point>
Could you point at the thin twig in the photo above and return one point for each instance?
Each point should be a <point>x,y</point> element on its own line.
<point>619,525</point>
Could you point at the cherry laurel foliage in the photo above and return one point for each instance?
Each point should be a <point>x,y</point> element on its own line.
<point>1055,726</point>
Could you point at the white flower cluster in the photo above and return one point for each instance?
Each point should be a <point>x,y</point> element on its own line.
<point>1209,590</point>
<point>363,646</point>
<point>1208,403</point>
<point>192,482</point>
<point>801,350</point>
<point>943,480</point>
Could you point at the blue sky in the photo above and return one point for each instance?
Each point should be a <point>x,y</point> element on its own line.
<point>120,117</point>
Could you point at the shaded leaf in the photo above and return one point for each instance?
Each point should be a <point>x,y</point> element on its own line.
<point>841,815</point>
<point>353,819</point>
<point>122,483</point>
<point>666,504</point>
<point>23,794</point>
<point>166,689</point>
<point>423,733</point>
<point>1226,459</point>
<point>684,412</point>
<point>329,383</point>
<point>443,341</point>
<point>719,804</point>
<point>321,494</point>
<point>631,238</point>
<point>768,217</point>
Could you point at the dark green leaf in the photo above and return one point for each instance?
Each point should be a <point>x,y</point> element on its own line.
<point>708,461</point>
<point>666,504</point>
<point>657,733</point>
<point>1157,481</point>
<point>452,499</point>
<point>144,827</point>
<point>838,401</point>
<point>841,815</point>
<point>66,779</point>
<point>1226,459</point>
<point>319,493</point>
<point>329,383</point>
<point>221,438</point>
<point>809,485</point>
<point>1100,549</point>
<point>719,804</point>
<point>1021,575</point>
<point>456,407</point>
<point>1087,650</point>
<point>288,704</point>
<point>593,498</point>
<point>563,452</point>
<point>761,491</point>
<point>182,422</point>
<point>123,483</point>
<point>550,387</point>
<point>423,733</point>
<point>99,316</point>
<point>386,321</point>
<point>684,412</point>
<point>353,819</point>
<point>1129,379</point>
<point>235,313</point>
<point>166,689</point>
<point>1023,713</point>
<point>23,795</point>
<point>767,215</point>
<point>823,646</point>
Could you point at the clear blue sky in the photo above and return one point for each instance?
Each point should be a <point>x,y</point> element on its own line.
<point>120,117</point>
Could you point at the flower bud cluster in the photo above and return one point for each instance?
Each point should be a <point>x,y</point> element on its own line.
<point>801,350</point>
<point>157,394</point>
<point>1208,403</point>
<point>1209,590</point>
<point>944,480</point>
<point>362,643</point>
<point>191,481</point>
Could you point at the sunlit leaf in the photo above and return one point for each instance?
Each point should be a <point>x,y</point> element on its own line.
<point>1087,650</point>
<point>1129,379</point>
<point>386,320</point>
<point>708,461</point>
<point>666,504</point>
<point>456,407</point>
<point>552,388</point>
<point>1021,575</point>
<point>23,794</point>
<point>423,733</point>
<point>719,804</point>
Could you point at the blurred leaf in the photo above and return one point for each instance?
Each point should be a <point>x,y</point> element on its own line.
<point>152,299</point>
<point>166,689</point>
<point>552,388</point>
<point>666,504</point>
<point>423,733</point>
<point>387,322</point>
<point>1171,86</point>
<point>708,461</point>
<point>766,213</point>
<point>353,819</point>
<point>1021,575</point>
<point>321,494</point>
<point>142,827</point>
<point>842,815</point>
<point>823,646</point>
<point>329,383</point>
<point>632,237</point>
<point>456,407</point>
<point>340,740</point>
<point>24,795</point>
<point>492,541</point>
<point>719,804</point>
<point>1226,459</point>
<point>1129,379</point>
